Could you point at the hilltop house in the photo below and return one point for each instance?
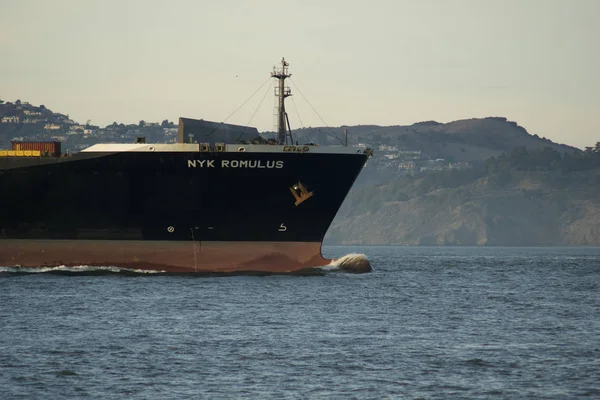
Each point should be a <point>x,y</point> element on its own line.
<point>11,120</point>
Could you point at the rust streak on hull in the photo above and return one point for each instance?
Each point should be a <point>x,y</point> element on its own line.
<point>168,256</point>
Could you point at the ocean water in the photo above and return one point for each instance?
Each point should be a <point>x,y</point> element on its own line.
<point>427,323</point>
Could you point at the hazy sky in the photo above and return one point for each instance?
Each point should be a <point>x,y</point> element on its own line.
<point>536,62</point>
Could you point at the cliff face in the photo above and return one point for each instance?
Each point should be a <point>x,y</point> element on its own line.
<point>526,211</point>
<point>580,225</point>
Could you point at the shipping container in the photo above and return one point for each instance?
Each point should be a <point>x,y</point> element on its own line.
<point>20,153</point>
<point>45,148</point>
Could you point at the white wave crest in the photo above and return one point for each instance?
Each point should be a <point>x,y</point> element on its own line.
<point>77,269</point>
<point>353,262</point>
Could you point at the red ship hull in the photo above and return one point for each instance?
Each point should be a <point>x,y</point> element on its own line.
<point>167,256</point>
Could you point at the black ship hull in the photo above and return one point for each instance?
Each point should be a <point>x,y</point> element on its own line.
<point>179,211</point>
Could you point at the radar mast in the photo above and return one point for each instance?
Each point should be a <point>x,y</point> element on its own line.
<point>281,92</point>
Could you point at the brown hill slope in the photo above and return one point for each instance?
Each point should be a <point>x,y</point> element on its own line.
<point>521,209</point>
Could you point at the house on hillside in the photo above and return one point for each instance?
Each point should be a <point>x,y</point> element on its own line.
<point>433,165</point>
<point>407,166</point>
<point>385,147</point>
<point>11,120</point>
<point>410,152</point>
<point>461,165</point>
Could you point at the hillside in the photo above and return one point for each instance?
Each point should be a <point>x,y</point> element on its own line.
<point>526,201</point>
<point>464,140</point>
<point>430,146</point>
<point>24,121</point>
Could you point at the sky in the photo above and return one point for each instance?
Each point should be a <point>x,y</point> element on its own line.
<point>380,62</point>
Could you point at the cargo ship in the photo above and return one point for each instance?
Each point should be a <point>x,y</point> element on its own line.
<point>220,200</point>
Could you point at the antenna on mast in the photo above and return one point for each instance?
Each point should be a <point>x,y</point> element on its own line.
<point>282,91</point>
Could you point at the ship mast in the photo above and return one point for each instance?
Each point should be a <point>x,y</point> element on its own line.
<point>281,92</point>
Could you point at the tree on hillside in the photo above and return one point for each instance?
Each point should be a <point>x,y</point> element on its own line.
<point>595,149</point>
<point>546,159</point>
